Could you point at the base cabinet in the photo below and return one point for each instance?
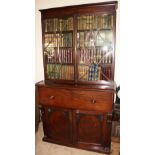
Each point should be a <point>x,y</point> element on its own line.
<point>88,130</point>
<point>67,124</point>
<point>71,120</point>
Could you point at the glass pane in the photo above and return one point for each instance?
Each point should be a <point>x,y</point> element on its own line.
<point>57,24</point>
<point>60,72</point>
<point>95,47</point>
<point>58,51</point>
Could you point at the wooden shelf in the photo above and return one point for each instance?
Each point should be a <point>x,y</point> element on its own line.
<point>88,30</point>
<point>55,32</point>
<point>100,64</point>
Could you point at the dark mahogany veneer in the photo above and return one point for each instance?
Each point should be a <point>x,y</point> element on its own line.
<point>77,114</point>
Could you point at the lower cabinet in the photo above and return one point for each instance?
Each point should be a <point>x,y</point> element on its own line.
<point>88,130</point>
<point>57,124</point>
<point>76,117</point>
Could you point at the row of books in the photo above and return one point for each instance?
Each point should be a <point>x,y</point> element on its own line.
<point>62,55</point>
<point>55,24</point>
<point>94,38</point>
<point>97,55</point>
<point>87,73</point>
<point>84,22</point>
<point>94,72</point>
<point>95,21</point>
<point>83,72</point>
<point>58,40</point>
<point>60,72</point>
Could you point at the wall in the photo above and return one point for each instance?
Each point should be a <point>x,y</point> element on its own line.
<point>40,4</point>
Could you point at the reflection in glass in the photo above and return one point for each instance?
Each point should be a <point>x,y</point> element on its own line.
<point>58,51</point>
<point>95,47</point>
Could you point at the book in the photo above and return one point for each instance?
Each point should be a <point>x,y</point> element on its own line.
<point>94,72</point>
<point>110,21</point>
<point>82,40</point>
<point>45,25</point>
<point>70,23</point>
<point>71,55</point>
<point>83,72</point>
<point>55,24</point>
<point>78,23</point>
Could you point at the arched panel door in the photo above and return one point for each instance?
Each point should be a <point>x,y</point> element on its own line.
<point>57,123</point>
<point>92,130</point>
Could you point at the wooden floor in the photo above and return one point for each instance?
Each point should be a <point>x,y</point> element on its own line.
<point>44,148</point>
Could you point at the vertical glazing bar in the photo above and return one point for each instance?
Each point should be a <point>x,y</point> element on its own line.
<point>75,54</point>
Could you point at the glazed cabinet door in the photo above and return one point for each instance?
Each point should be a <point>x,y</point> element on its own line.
<point>58,49</point>
<point>92,130</point>
<point>95,47</point>
<point>57,125</point>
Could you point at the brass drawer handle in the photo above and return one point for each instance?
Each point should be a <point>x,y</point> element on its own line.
<point>51,97</point>
<point>93,101</point>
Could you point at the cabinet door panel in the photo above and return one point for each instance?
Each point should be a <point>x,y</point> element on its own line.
<point>91,130</point>
<point>57,124</point>
<point>88,127</point>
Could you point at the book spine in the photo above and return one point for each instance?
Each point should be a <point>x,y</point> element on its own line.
<point>99,72</point>
<point>68,55</point>
<point>62,72</point>
<point>71,51</point>
<point>45,25</point>
<point>48,71</point>
<point>91,71</point>
<point>66,58</point>
<point>67,72</point>
<point>78,21</point>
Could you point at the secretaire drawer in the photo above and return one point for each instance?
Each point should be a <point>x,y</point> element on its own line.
<point>76,99</point>
<point>54,96</point>
<point>93,100</point>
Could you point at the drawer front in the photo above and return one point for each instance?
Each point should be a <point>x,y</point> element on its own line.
<point>76,99</point>
<point>54,96</point>
<point>93,100</point>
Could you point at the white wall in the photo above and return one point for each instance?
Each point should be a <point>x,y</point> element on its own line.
<point>43,4</point>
